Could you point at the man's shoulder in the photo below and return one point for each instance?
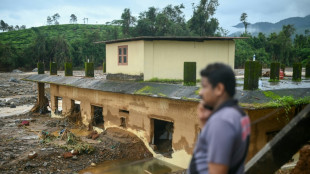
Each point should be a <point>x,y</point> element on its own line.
<point>229,114</point>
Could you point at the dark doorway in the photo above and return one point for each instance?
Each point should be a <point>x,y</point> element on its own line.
<point>123,122</point>
<point>162,139</point>
<point>97,115</point>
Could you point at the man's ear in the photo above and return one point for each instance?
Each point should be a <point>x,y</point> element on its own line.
<point>219,89</point>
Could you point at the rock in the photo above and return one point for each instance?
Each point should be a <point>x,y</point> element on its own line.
<point>93,164</point>
<point>17,71</point>
<point>89,136</point>
<point>59,157</point>
<point>12,79</point>
<point>74,157</point>
<point>29,165</point>
<point>35,70</point>
<point>13,106</point>
<point>74,152</point>
<point>45,164</point>
<point>67,155</point>
<point>32,155</point>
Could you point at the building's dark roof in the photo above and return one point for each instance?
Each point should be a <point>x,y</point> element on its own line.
<point>175,38</point>
<point>249,99</point>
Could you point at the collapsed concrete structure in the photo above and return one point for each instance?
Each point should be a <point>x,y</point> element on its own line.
<point>162,115</point>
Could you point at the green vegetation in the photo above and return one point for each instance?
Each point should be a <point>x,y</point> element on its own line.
<point>277,101</point>
<point>297,72</point>
<point>53,68</point>
<point>189,73</point>
<point>89,69</point>
<point>68,69</point>
<point>277,47</point>
<point>149,90</point>
<point>251,75</point>
<point>274,71</point>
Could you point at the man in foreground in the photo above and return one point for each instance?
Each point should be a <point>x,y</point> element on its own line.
<point>223,143</point>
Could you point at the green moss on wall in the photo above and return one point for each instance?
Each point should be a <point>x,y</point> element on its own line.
<point>275,71</point>
<point>104,68</point>
<point>68,69</point>
<point>297,72</point>
<point>40,68</point>
<point>189,73</point>
<point>308,70</point>
<point>89,69</point>
<point>251,75</point>
<point>53,68</point>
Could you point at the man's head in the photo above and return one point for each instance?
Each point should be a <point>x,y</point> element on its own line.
<point>218,83</point>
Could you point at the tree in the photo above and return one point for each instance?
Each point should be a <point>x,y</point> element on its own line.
<point>243,19</point>
<point>202,22</point>
<point>73,19</point>
<point>127,21</point>
<point>11,28</point>
<point>56,18</point>
<point>16,27</point>
<point>3,25</point>
<point>49,20</point>
<point>22,27</point>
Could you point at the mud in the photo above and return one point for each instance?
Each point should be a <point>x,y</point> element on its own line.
<point>17,142</point>
<point>303,165</point>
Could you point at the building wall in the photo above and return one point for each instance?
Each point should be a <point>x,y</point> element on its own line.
<point>165,59</point>
<point>141,110</point>
<point>135,58</point>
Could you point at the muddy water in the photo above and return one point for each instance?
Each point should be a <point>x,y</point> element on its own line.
<point>149,166</point>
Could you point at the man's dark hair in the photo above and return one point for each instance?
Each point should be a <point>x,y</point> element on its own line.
<point>220,73</point>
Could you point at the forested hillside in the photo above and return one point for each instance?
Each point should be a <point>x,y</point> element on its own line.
<point>75,42</point>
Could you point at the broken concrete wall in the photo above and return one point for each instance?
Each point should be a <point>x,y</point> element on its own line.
<point>141,110</point>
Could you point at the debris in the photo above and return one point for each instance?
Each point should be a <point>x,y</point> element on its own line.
<point>266,74</point>
<point>12,79</point>
<point>17,71</point>
<point>45,164</point>
<point>24,123</point>
<point>89,136</point>
<point>95,136</point>
<point>74,152</point>
<point>67,155</point>
<point>93,164</point>
<point>35,70</point>
<point>29,165</point>
<point>74,157</point>
<point>32,155</point>
<point>12,105</point>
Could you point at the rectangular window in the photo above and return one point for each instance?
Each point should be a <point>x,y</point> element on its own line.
<point>123,55</point>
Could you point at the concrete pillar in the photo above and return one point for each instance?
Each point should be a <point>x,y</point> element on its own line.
<point>274,71</point>
<point>40,67</point>
<point>86,114</point>
<point>297,72</point>
<point>251,75</point>
<point>104,67</point>
<point>67,105</point>
<point>53,68</point>
<point>68,69</point>
<point>189,74</point>
<point>283,146</point>
<point>308,70</point>
<point>89,69</point>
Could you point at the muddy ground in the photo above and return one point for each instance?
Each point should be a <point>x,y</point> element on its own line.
<point>18,142</point>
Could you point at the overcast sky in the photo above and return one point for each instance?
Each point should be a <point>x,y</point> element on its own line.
<point>34,12</point>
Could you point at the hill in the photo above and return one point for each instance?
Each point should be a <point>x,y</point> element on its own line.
<point>71,32</point>
<point>300,24</point>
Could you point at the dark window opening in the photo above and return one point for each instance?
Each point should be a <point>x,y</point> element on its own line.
<point>124,111</point>
<point>76,106</point>
<point>123,122</point>
<point>270,135</point>
<point>162,139</point>
<point>97,115</point>
<point>58,105</point>
<point>75,115</point>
